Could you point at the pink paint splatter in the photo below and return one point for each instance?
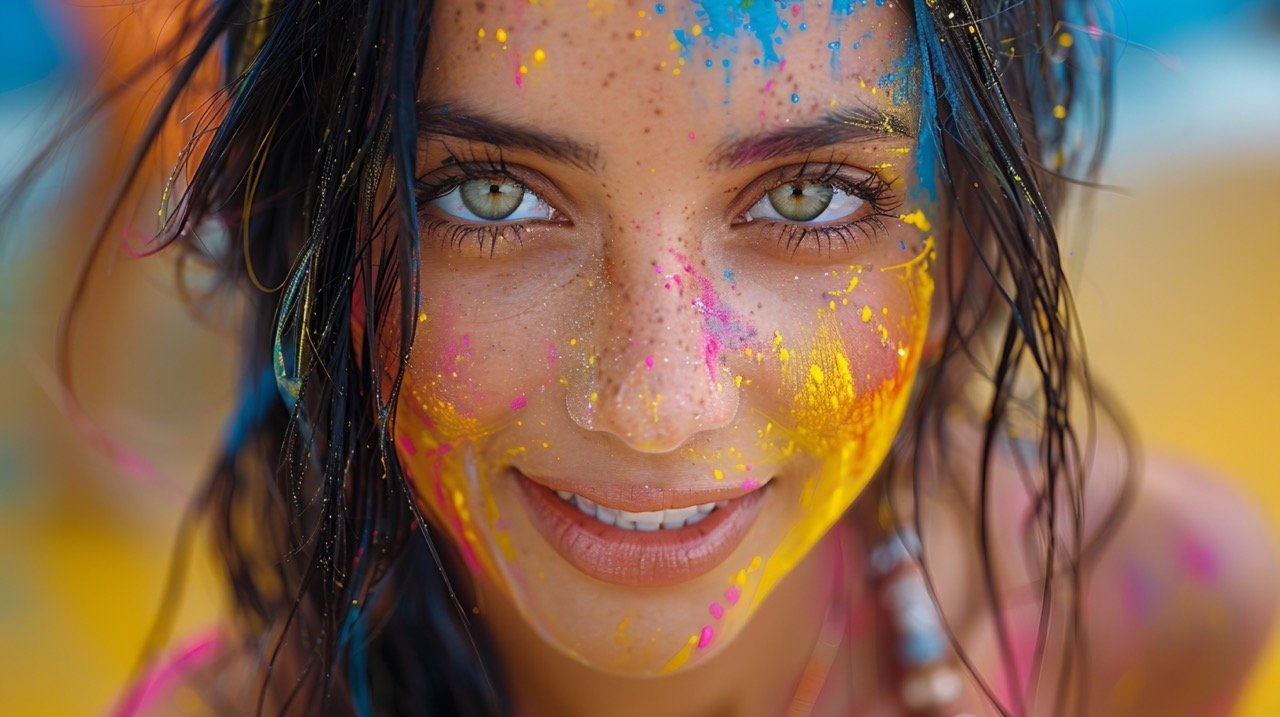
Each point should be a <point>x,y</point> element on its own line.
<point>750,484</point>
<point>704,638</point>
<point>519,402</point>
<point>768,87</point>
<point>407,444</point>
<point>648,361</point>
<point>795,11</point>
<point>692,137</point>
<point>731,594</point>
<point>1199,560</point>
<point>519,79</point>
<point>716,610</point>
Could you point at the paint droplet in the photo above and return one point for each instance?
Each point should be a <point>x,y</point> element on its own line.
<point>480,32</point>
<point>704,638</point>
<point>866,313</point>
<point>731,594</point>
<point>716,610</point>
<point>1066,40</point>
<point>697,30</point>
<point>519,402</point>
<point>539,55</point>
<point>1059,112</point>
<point>717,474</point>
<point>795,98</point>
<point>648,361</point>
<point>692,136</point>
<point>524,69</point>
<point>500,35</point>
<point>659,8</point>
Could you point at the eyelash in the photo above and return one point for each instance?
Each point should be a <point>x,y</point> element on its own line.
<point>452,233</point>
<point>792,236</point>
<point>872,189</point>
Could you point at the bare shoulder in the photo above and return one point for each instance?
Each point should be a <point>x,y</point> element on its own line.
<point>208,678</point>
<point>1183,598</point>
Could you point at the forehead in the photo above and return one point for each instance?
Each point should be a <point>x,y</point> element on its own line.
<point>615,72</point>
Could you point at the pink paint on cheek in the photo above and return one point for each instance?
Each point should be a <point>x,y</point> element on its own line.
<point>716,610</point>
<point>768,87</point>
<point>407,444</point>
<point>795,11</point>
<point>692,136</point>
<point>731,594</point>
<point>750,484</point>
<point>648,361</point>
<point>704,638</point>
<point>519,402</point>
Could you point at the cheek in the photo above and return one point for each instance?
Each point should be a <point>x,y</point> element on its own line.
<point>843,363</point>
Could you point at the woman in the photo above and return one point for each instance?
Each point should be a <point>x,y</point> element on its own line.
<point>680,358</point>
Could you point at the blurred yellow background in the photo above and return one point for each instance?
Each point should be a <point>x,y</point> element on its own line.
<point>1176,276</point>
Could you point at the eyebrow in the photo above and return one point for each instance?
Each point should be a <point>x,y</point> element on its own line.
<point>842,124</point>
<point>444,120</point>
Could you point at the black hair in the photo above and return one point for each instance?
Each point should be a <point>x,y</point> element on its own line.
<point>306,155</point>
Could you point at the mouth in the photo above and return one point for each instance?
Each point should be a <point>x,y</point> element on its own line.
<point>640,548</point>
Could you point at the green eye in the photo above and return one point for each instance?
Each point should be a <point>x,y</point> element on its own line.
<point>801,201</point>
<point>491,199</point>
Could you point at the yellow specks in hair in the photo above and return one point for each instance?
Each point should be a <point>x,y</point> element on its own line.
<point>1059,112</point>
<point>1066,40</point>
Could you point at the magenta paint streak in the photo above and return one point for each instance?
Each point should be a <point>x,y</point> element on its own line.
<point>648,361</point>
<point>731,594</point>
<point>716,610</point>
<point>407,444</point>
<point>519,402</point>
<point>721,325</point>
<point>161,679</point>
<point>704,638</point>
<point>750,484</point>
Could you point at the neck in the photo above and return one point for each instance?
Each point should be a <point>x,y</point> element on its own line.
<point>758,674</point>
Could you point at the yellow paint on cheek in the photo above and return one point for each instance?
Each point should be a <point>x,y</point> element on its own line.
<point>847,430</point>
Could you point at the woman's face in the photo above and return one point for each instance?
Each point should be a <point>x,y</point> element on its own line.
<point>675,276</point>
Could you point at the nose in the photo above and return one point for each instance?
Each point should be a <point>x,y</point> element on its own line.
<point>658,377</point>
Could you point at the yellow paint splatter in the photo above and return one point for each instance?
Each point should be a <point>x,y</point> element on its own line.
<point>1066,40</point>
<point>866,314</point>
<point>539,55</point>
<point>480,33</point>
<point>916,219</point>
<point>1059,112</point>
<point>500,35</point>
<point>681,657</point>
<point>717,474</point>
<point>697,30</point>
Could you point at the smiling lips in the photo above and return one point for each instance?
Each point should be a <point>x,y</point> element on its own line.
<point>639,548</point>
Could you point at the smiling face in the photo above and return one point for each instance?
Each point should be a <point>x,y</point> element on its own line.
<point>675,283</point>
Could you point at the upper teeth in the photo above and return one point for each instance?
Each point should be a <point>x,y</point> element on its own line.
<point>648,520</point>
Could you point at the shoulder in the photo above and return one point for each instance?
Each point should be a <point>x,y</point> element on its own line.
<point>207,676</point>
<point>1182,599</point>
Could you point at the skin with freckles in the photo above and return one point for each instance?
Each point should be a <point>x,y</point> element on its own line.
<point>680,267</point>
